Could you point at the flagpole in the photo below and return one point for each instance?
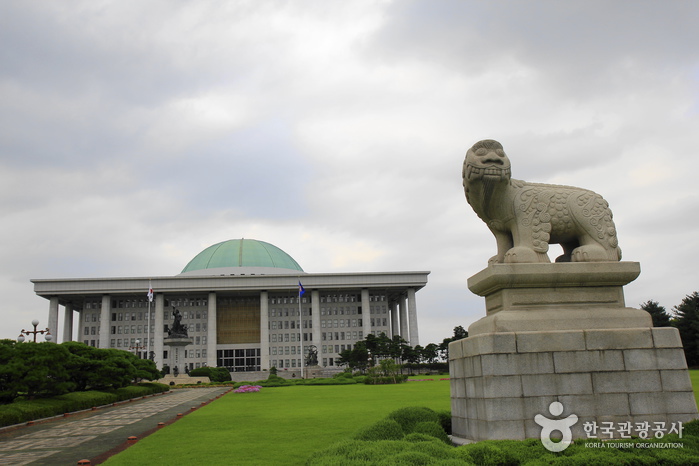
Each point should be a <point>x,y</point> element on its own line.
<point>150,298</point>
<point>301,327</point>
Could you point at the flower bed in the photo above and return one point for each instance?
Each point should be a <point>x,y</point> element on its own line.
<point>247,389</point>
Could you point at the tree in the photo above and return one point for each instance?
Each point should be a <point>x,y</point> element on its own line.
<point>429,353</point>
<point>658,313</point>
<point>687,322</point>
<point>459,333</point>
<point>38,369</point>
<point>7,353</point>
<point>355,358</point>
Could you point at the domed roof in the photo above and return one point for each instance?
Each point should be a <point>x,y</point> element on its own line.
<point>240,257</point>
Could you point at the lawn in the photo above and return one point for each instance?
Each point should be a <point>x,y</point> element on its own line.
<point>282,425</point>
<point>694,377</point>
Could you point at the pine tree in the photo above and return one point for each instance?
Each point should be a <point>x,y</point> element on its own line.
<point>687,322</point>
<point>658,313</point>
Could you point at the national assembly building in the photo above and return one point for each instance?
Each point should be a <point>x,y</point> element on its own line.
<point>246,305</point>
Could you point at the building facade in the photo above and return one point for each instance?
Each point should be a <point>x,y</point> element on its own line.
<point>243,308</point>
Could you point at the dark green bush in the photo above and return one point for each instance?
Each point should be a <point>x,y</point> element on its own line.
<point>433,429</point>
<point>417,437</point>
<point>408,417</point>
<point>28,410</point>
<point>486,453</point>
<point>414,436</point>
<point>445,420</point>
<point>215,374</point>
<point>385,429</point>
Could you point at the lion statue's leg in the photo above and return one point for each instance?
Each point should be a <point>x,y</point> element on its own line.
<point>527,246</point>
<point>591,250</point>
<point>504,244</point>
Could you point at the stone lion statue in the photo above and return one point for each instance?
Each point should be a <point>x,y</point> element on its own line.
<point>526,217</point>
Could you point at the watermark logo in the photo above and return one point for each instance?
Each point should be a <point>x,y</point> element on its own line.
<point>549,426</point>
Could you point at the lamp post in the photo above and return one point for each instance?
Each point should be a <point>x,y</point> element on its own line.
<point>35,323</point>
<point>137,347</point>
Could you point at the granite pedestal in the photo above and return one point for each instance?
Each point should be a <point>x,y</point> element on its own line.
<point>561,332</point>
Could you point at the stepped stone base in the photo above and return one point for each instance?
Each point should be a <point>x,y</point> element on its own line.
<point>571,347</point>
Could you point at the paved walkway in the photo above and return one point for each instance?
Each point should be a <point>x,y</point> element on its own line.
<point>91,434</point>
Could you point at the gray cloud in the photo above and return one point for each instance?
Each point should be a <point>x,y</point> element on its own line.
<point>133,135</point>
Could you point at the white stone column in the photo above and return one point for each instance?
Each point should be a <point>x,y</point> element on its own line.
<point>211,332</point>
<point>158,346</point>
<point>403,310</point>
<point>315,320</point>
<point>105,312</point>
<point>53,318</point>
<point>68,323</point>
<point>395,326</point>
<point>80,337</point>
<point>366,312</point>
<point>412,318</point>
<point>264,330</point>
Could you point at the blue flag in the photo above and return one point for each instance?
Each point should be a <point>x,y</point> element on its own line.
<point>301,290</point>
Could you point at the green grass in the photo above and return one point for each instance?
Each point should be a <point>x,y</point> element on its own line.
<point>284,425</point>
<point>278,425</point>
<point>694,377</point>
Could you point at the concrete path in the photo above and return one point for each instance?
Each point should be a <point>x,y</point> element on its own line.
<point>91,434</point>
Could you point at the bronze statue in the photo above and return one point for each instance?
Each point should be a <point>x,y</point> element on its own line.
<point>177,330</point>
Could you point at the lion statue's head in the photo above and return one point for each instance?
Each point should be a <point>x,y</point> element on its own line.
<point>486,160</point>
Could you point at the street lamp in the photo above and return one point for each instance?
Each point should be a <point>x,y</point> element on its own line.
<point>138,347</point>
<point>35,322</point>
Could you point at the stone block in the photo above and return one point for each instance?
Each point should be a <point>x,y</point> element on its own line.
<point>618,338</point>
<point>528,342</point>
<point>458,387</point>
<point>503,430</point>
<point>474,387</point>
<point>676,381</point>
<point>456,350</point>
<point>516,364</point>
<point>503,409</point>
<point>626,382</point>
<point>456,368</point>
<point>501,386</point>
<point>654,359</point>
<point>556,384</point>
<point>669,403</point>
<point>588,361</point>
<point>666,337</point>
<point>593,406</point>
<point>490,343</point>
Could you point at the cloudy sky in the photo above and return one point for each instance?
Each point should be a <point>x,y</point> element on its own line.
<point>133,134</point>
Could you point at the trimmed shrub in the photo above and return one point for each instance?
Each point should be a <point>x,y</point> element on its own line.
<point>385,429</point>
<point>445,421</point>
<point>409,458</point>
<point>23,411</point>
<point>417,437</point>
<point>486,453</point>
<point>433,429</point>
<point>408,417</point>
<point>215,374</point>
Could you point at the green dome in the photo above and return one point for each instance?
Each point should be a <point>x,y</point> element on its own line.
<point>242,256</point>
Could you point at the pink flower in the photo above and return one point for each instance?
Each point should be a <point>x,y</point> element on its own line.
<point>247,389</point>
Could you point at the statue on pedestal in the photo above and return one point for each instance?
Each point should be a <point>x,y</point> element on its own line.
<point>177,330</point>
<point>526,217</point>
<point>312,358</point>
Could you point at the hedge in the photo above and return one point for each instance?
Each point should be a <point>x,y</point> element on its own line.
<point>415,436</point>
<point>29,410</point>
